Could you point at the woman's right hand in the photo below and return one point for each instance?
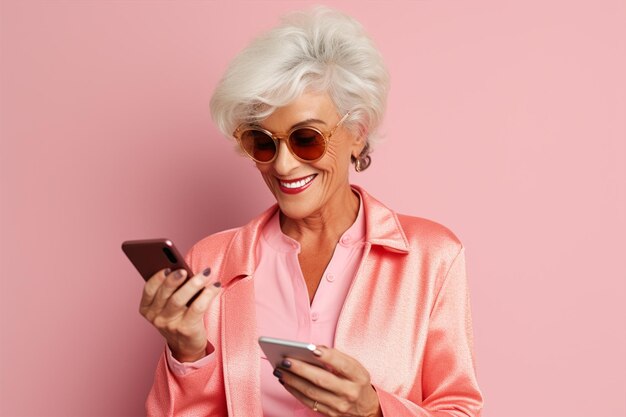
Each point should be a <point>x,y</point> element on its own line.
<point>165,307</point>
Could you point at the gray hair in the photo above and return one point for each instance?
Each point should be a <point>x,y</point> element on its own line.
<point>319,50</point>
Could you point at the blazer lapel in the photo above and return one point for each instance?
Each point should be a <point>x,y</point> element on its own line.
<point>240,350</point>
<point>383,233</point>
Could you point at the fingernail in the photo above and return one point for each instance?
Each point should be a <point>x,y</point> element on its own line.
<point>179,274</point>
<point>277,373</point>
<point>317,353</point>
<point>281,382</point>
<point>285,363</point>
<point>166,271</point>
<point>206,272</point>
<point>217,284</point>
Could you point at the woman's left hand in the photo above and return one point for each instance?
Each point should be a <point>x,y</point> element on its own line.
<point>343,389</point>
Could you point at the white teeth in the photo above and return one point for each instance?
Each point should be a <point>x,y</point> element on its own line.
<point>297,184</point>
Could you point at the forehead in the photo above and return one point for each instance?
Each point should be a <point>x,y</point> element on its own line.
<point>310,105</point>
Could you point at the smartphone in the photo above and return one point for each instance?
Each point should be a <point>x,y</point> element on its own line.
<point>277,349</point>
<point>149,256</point>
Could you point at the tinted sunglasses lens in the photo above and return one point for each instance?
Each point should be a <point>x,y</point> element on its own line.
<point>308,144</point>
<point>258,145</point>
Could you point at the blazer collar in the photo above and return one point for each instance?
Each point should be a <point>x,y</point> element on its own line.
<point>382,228</point>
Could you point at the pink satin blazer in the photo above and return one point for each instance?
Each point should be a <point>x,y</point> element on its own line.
<point>406,319</point>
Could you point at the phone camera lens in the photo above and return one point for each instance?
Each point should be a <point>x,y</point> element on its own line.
<point>170,255</point>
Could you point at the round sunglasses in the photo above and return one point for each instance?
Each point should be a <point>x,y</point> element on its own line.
<point>306,143</point>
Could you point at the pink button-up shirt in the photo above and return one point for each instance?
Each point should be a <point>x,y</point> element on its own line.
<point>282,304</point>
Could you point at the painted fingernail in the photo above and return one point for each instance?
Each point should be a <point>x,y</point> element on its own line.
<point>178,274</point>
<point>166,271</point>
<point>206,272</point>
<point>285,363</point>
<point>277,373</point>
<point>281,382</point>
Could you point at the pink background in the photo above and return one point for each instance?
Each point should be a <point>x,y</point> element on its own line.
<point>506,122</point>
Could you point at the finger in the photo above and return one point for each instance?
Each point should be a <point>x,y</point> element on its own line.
<point>342,364</point>
<point>307,391</point>
<point>177,302</point>
<point>314,405</point>
<point>198,308</point>
<point>317,383</point>
<point>165,291</point>
<point>346,389</point>
<point>150,289</point>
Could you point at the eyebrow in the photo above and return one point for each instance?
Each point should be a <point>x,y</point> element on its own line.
<point>299,124</point>
<point>308,122</point>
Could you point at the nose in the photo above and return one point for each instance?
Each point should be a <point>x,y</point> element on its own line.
<point>285,161</point>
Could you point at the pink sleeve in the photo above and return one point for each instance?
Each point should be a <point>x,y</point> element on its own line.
<point>197,393</point>
<point>189,389</point>
<point>448,382</point>
<point>183,368</point>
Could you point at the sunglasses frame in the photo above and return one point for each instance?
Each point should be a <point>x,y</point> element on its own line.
<point>244,127</point>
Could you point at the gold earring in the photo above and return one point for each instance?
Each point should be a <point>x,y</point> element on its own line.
<point>357,164</point>
<point>361,163</point>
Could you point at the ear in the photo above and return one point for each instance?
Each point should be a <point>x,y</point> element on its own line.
<point>358,143</point>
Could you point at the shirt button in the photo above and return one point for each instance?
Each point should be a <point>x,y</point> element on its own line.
<point>315,316</point>
<point>330,277</point>
<point>346,239</point>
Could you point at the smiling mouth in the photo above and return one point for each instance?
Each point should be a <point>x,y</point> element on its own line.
<point>296,185</point>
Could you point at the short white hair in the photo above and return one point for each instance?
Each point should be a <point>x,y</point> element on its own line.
<point>319,50</point>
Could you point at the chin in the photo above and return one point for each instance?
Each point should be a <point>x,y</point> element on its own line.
<point>294,210</point>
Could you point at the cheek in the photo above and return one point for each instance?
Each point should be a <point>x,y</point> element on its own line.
<point>335,169</point>
<point>336,160</point>
<point>265,174</point>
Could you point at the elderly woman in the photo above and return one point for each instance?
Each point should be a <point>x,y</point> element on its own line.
<point>384,296</point>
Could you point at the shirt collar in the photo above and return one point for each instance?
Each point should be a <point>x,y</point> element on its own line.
<point>381,227</point>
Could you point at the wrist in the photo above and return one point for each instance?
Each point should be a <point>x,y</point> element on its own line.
<point>377,413</point>
<point>190,356</point>
<point>378,410</point>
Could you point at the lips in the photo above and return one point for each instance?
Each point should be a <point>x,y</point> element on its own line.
<point>296,185</point>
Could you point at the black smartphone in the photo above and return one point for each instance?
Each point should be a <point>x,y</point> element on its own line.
<point>149,256</point>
